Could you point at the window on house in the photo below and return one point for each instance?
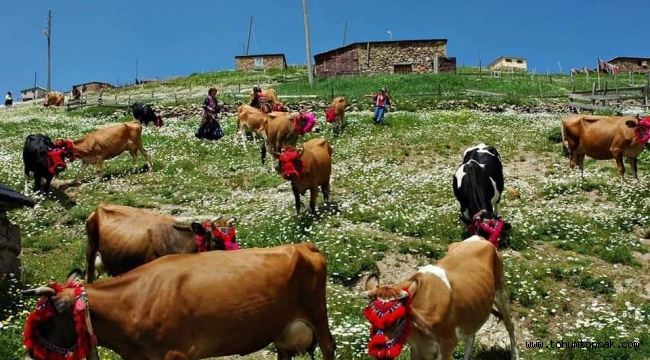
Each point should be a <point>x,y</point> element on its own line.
<point>643,63</point>
<point>403,69</point>
<point>520,61</point>
<point>259,62</point>
<point>508,60</point>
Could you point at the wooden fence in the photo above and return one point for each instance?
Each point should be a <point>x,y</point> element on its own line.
<point>606,99</point>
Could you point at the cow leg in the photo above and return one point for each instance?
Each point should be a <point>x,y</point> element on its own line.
<point>26,181</point>
<point>621,166</point>
<point>502,302</point>
<point>633,164</point>
<point>145,154</point>
<point>98,170</point>
<point>83,168</point>
<point>313,196</point>
<point>133,150</point>
<point>469,342</point>
<point>175,355</point>
<point>325,188</point>
<point>48,184</point>
<point>296,196</point>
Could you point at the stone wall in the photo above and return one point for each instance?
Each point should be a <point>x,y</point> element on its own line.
<point>631,65</point>
<point>270,62</point>
<point>10,247</point>
<point>382,57</point>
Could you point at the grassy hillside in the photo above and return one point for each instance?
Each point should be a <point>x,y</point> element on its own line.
<point>575,260</point>
<point>293,82</point>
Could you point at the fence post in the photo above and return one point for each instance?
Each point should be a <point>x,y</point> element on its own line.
<point>593,93</point>
<point>645,94</point>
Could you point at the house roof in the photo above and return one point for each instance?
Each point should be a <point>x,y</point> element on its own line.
<point>33,88</point>
<point>628,58</point>
<point>505,57</point>
<point>350,46</point>
<point>258,55</point>
<point>11,199</point>
<point>93,82</point>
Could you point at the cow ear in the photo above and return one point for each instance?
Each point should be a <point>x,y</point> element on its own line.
<point>197,228</point>
<point>372,282</point>
<point>75,274</point>
<point>631,123</point>
<point>415,282</point>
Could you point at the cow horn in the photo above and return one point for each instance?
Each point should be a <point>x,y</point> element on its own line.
<point>403,294</point>
<point>366,294</point>
<point>216,219</point>
<point>39,291</point>
<point>232,220</point>
<point>638,116</point>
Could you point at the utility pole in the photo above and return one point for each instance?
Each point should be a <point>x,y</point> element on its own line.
<point>35,79</point>
<point>250,30</point>
<point>310,72</point>
<point>48,34</point>
<point>345,30</point>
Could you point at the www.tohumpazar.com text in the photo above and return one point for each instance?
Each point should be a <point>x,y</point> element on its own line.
<point>582,344</point>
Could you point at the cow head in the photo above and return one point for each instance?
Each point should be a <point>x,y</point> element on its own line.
<point>217,234</point>
<point>641,128</point>
<point>59,325</point>
<point>291,163</point>
<point>486,225</point>
<point>303,123</point>
<point>390,316</point>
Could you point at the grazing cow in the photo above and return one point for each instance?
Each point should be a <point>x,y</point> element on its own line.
<point>249,119</point>
<point>192,306</point>
<point>145,114</point>
<point>121,238</point>
<point>308,168</point>
<point>53,98</point>
<point>281,129</point>
<point>44,160</point>
<point>107,143</point>
<point>605,138</point>
<point>336,114</point>
<point>440,305</point>
<point>478,185</point>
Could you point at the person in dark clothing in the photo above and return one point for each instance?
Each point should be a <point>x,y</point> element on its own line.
<point>210,128</point>
<point>9,100</point>
<point>257,94</point>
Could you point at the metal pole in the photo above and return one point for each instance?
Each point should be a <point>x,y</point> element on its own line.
<point>48,34</point>
<point>310,72</point>
<point>250,30</point>
<point>35,80</point>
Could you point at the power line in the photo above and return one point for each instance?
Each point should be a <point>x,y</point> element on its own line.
<point>21,36</point>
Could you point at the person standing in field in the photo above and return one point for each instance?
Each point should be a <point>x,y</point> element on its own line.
<point>210,128</point>
<point>382,102</point>
<point>9,99</point>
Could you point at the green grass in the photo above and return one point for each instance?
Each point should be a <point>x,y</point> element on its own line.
<point>573,255</point>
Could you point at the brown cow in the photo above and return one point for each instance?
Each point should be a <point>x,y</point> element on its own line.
<point>53,98</point>
<point>605,138</point>
<point>249,119</point>
<point>121,238</point>
<point>449,301</point>
<point>197,306</point>
<point>107,143</point>
<point>336,114</point>
<point>281,129</point>
<point>308,168</point>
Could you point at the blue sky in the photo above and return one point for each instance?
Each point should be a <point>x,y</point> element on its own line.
<point>99,40</point>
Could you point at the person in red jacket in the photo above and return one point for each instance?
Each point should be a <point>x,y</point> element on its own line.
<point>382,102</point>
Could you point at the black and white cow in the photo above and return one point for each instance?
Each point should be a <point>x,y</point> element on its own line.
<point>478,185</point>
<point>44,159</point>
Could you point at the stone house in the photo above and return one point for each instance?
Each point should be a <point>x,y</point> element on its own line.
<point>260,62</point>
<point>508,63</point>
<point>635,65</point>
<point>92,86</point>
<point>386,57</point>
<point>32,93</point>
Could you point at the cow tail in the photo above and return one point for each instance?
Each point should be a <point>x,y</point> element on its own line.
<point>92,248</point>
<point>565,143</point>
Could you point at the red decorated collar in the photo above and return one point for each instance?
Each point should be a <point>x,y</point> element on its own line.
<point>39,348</point>
<point>491,227</point>
<point>384,314</point>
